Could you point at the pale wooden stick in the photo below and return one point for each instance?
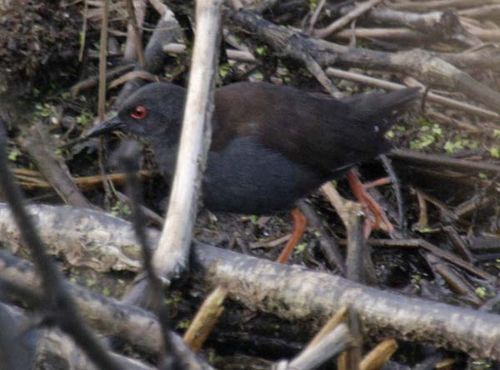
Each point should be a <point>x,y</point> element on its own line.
<point>331,324</point>
<point>205,319</point>
<point>173,249</point>
<point>346,19</point>
<point>330,345</point>
<point>336,200</point>
<point>378,356</point>
<point>103,45</point>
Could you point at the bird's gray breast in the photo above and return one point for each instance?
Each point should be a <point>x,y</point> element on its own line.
<point>246,177</point>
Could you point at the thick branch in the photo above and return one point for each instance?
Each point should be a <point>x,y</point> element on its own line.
<point>288,291</point>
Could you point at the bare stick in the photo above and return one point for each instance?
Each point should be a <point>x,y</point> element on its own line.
<point>437,25</point>
<point>327,243</point>
<point>315,15</point>
<point>358,77</point>
<point>378,356</point>
<point>136,32</point>
<point>205,319</point>
<point>103,45</point>
<point>53,168</point>
<point>331,324</point>
<point>129,155</point>
<point>173,249</point>
<point>423,6</point>
<point>330,345</point>
<point>443,161</point>
<point>346,19</point>
<point>356,255</point>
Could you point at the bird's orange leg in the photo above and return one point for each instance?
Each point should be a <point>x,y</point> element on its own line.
<point>359,190</point>
<point>299,226</point>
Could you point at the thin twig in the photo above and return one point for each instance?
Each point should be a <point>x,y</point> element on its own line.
<point>136,31</point>
<point>331,324</point>
<point>358,77</point>
<point>330,345</point>
<point>103,45</point>
<point>205,319</point>
<point>128,157</point>
<point>379,355</point>
<point>443,161</point>
<point>314,17</point>
<point>346,19</point>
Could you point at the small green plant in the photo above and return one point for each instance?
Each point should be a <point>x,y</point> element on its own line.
<point>44,110</point>
<point>106,292</point>
<point>14,153</point>
<point>459,143</point>
<point>183,324</point>
<point>120,209</point>
<point>429,134</point>
<point>396,129</point>
<point>301,248</point>
<point>261,50</point>
<point>495,152</point>
<point>481,292</point>
<point>224,70</point>
<point>85,118</point>
<point>480,365</point>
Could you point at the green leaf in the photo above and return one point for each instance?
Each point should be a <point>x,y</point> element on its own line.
<point>481,292</point>
<point>495,152</point>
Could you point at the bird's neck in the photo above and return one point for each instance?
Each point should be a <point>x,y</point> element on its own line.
<point>165,154</point>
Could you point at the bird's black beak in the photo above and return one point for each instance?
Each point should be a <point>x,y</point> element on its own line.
<point>110,125</point>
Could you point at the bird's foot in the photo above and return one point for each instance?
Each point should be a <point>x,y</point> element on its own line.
<point>377,219</point>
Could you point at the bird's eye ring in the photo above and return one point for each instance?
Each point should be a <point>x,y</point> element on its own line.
<point>139,112</point>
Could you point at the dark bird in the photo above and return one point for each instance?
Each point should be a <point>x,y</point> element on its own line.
<point>271,145</point>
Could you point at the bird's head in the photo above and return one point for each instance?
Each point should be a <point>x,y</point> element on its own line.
<point>153,111</point>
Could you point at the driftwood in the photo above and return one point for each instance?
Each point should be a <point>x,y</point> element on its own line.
<point>288,291</point>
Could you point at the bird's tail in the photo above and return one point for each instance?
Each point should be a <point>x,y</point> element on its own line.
<point>381,109</point>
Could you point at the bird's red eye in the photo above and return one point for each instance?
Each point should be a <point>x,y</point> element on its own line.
<point>139,112</point>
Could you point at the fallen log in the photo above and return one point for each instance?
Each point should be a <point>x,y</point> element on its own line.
<point>292,292</point>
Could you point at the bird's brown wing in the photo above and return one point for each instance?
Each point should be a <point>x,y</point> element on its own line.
<point>324,133</point>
